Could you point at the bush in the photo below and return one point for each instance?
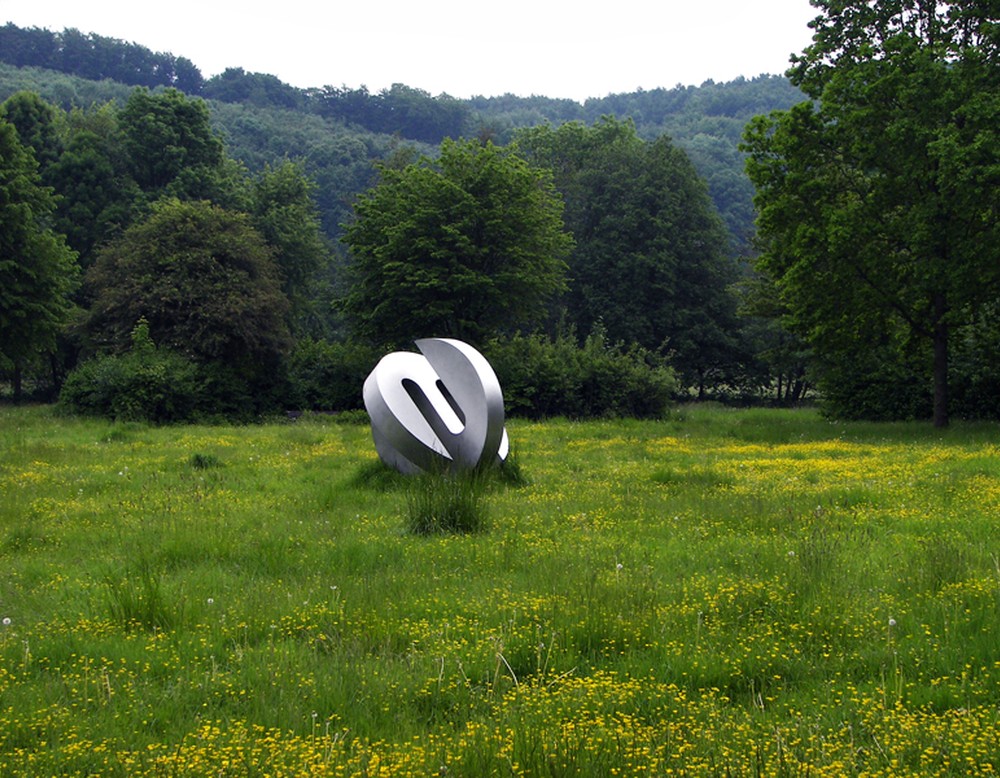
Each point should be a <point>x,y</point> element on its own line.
<point>326,376</point>
<point>878,384</point>
<point>144,384</point>
<point>541,377</point>
<point>975,368</point>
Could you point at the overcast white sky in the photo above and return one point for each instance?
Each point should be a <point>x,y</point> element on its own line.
<point>554,48</point>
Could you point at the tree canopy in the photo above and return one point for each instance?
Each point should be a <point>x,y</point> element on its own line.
<point>284,212</point>
<point>37,270</point>
<point>168,135</point>
<point>468,245</point>
<point>203,278</point>
<point>119,176</point>
<point>35,122</point>
<point>879,199</point>
<point>264,119</point>
<point>650,263</point>
<point>96,57</point>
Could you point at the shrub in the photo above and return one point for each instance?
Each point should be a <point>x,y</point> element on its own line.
<point>877,385</point>
<point>145,384</point>
<point>242,392</point>
<point>327,376</point>
<point>542,377</point>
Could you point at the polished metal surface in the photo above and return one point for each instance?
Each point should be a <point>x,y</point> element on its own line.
<point>440,409</point>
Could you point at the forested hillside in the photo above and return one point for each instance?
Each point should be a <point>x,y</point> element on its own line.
<point>338,130</point>
<point>705,121</point>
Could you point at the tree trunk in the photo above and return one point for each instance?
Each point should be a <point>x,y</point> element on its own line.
<point>17,381</point>
<point>940,362</point>
<point>798,390</point>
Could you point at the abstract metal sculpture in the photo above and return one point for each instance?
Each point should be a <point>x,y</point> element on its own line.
<point>440,409</point>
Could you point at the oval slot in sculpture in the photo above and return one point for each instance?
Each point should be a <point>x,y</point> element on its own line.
<point>440,409</point>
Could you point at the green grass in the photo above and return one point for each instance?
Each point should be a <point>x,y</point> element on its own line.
<point>719,593</point>
<point>448,503</point>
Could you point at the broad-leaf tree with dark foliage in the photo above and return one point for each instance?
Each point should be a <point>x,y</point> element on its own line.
<point>650,263</point>
<point>37,270</point>
<point>166,135</point>
<point>879,200</point>
<point>203,278</point>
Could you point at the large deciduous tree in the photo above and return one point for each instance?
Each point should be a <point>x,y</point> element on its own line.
<point>169,136</point>
<point>37,270</point>
<point>284,212</point>
<point>94,199</point>
<point>203,278</point>
<point>468,245</point>
<point>36,123</point>
<point>650,260</point>
<point>879,199</point>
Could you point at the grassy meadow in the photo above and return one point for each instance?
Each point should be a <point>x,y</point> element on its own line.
<point>719,593</point>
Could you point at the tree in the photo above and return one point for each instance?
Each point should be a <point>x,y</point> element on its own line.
<point>95,57</point>
<point>172,150</point>
<point>35,121</point>
<point>93,198</point>
<point>469,245</point>
<point>878,200</point>
<point>285,214</point>
<point>235,85</point>
<point>650,262</point>
<point>29,47</point>
<point>167,134</point>
<point>400,110</point>
<point>37,270</point>
<point>204,280</point>
<point>781,358</point>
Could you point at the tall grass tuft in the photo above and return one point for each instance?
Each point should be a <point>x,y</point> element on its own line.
<point>201,461</point>
<point>138,602</point>
<point>509,472</point>
<point>442,503</point>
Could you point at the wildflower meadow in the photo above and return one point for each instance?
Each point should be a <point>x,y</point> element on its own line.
<point>723,592</point>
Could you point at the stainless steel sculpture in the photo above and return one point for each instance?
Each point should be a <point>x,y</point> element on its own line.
<point>440,409</point>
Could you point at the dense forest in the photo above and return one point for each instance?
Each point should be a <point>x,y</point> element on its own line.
<point>129,143</point>
<point>263,119</point>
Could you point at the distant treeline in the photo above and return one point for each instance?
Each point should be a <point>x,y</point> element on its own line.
<point>706,121</point>
<point>409,112</point>
<point>96,57</point>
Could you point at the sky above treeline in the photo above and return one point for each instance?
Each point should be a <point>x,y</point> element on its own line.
<point>556,49</point>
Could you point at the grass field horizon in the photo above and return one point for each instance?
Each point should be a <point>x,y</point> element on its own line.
<point>722,592</point>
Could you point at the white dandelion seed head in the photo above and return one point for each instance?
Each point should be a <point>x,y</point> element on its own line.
<point>892,622</point>
<point>6,621</point>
